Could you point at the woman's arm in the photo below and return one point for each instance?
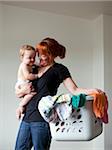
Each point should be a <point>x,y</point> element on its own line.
<point>73,88</point>
<point>70,85</point>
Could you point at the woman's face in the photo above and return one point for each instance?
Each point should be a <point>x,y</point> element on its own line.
<point>45,58</point>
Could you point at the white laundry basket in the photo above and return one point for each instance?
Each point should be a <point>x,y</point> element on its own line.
<point>81,126</point>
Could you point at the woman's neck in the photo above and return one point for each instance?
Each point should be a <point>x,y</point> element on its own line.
<point>43,69</point>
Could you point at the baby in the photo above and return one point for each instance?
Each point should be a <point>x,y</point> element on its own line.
<point>25,74</point>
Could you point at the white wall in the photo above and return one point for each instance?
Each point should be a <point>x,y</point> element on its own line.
<point>102,73</point>
<point>22,26</point>
<point>98,53</point>
<point>1,31</point>
<point>98,66</point>
<point>108,76</point>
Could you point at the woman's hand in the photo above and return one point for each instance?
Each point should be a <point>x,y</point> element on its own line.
<point>25,89</point>
<point>87,91</point>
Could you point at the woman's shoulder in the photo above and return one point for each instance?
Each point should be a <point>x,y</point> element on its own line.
<point>59,65</point>
<point>62,71</point>
<point>60,68</point>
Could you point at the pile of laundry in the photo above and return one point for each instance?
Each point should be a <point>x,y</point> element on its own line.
<point>60,107</point>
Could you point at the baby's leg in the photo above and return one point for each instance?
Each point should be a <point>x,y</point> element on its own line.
<point>24,101</point>
<point>19,112</point>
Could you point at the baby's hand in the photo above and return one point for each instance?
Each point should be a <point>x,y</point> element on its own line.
<point>33,93</point>
<point>27,88</point>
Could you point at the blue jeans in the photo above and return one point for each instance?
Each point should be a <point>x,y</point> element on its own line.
<point>34,134</point>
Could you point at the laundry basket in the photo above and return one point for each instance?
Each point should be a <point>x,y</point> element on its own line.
<point>81,126</point>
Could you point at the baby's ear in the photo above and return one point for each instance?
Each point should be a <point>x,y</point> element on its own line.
<point>21,58</point>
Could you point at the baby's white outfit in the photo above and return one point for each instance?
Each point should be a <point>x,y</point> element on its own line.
<point>21,82</point>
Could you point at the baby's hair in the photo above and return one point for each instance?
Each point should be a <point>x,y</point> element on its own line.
<point>24,48</point>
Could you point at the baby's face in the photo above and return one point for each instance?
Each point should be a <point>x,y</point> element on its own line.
<point>29,57</point>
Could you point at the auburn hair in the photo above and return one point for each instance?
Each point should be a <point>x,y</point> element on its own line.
<point>52,47</point>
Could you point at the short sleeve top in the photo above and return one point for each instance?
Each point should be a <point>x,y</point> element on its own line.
<point>45,85</point>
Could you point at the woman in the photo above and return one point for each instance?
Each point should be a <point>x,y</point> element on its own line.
<point>34,130</point>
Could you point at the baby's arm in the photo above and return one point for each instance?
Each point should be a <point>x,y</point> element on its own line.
<point>27,74</point>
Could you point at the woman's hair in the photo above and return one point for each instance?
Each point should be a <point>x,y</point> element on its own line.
<point>52,47</point>
<point>24,48</point>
